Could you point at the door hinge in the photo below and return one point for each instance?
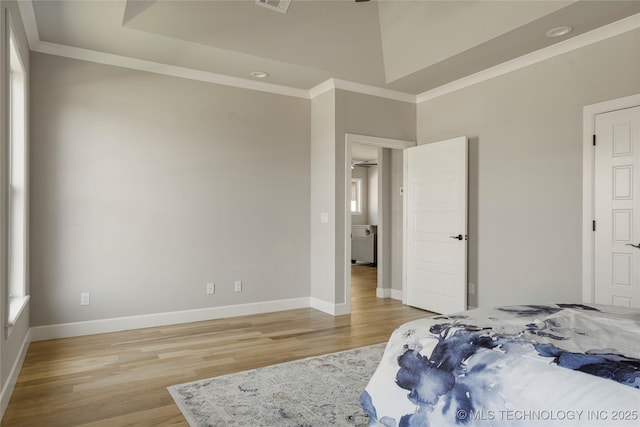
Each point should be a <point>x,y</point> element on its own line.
<point>594,140</point>
<point>594,225</point>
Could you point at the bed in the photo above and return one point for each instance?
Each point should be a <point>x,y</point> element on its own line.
<point>536,365</point>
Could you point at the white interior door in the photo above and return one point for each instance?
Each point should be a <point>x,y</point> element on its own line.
<point>436,228</point>
<point>617,208</point>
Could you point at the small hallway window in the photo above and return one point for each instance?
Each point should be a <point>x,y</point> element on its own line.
<point>356,195</point>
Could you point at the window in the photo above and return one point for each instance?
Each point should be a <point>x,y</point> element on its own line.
<point>17,183</point>
<point>356,195</point>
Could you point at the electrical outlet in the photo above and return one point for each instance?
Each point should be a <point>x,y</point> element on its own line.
<point>211,288</point>
<point>238,284</point>
<point>85,298</point>
<point>472,288</point>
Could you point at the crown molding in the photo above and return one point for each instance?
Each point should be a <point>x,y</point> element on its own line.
<point>28,16</point>
<point>323,87</point>
<point>166,69</point>
<point>374,91</point>
<point>599,34</point>
<point>611,30</point>
<point>332,84</point>
<point>35,44</point>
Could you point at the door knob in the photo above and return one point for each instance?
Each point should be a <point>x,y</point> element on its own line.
<point>459,237</point>
<point>635,246</point>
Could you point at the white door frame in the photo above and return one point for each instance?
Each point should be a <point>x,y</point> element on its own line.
<point>588,173</point>
<point>374,141</point>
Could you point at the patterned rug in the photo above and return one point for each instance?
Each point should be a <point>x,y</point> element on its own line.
<point>317,391</point>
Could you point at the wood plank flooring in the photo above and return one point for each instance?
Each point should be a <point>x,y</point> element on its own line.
<point>120,379</point>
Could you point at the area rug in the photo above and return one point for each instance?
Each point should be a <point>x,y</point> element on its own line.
<point>317,391</point>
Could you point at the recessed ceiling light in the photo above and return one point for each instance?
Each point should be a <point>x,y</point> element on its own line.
<point>259,74</point>
<point>563,30</point>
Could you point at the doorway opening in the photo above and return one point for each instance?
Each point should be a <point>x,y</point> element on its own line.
<point>373,218</point>
<point>364,209</point>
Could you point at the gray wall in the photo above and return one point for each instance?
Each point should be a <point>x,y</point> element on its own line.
<point>146,187</point>
<point>385,230</point>
<point>322,196</point>
<point>397,218</point>
<point>363,115</point>
<point>525,165</point>
<point>334,114</point>
<point>372,195</point>
<point>11,345</point>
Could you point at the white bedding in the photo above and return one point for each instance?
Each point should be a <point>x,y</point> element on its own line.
<point>552,365</point>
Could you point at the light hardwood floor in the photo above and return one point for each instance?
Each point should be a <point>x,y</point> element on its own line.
<point>120,379</point>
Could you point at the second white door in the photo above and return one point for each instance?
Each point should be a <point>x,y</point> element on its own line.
<point>617,208</point>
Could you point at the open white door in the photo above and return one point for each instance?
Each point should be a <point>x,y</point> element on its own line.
<point>436,228</point>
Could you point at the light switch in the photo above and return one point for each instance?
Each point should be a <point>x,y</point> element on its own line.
<point>324,217</point>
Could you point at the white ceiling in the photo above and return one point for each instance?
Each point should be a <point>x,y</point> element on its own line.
<point>406,46</point>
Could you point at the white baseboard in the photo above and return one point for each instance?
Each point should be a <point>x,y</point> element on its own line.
<point>7,390</point>
<point>329,308</point>
<point>75,329</point>
<point>396,294</point>
<point>389,293</point>
<point>383,292</point>
<point>341,309</point>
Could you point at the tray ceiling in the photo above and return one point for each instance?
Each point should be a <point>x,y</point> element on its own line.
<point>407,46</point>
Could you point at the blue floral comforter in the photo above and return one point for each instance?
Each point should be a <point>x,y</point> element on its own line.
<point>538,365</point>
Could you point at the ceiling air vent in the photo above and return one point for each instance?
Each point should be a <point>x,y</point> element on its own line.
<point>277,5</point>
